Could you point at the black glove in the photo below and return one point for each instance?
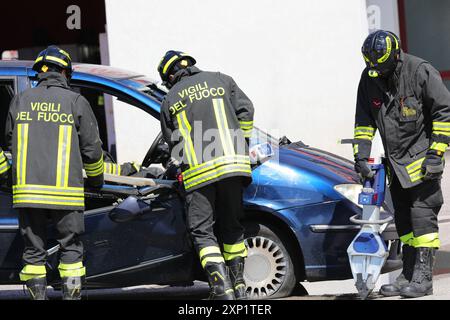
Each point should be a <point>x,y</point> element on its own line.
<point>362,167</point>
<point>432,166</point>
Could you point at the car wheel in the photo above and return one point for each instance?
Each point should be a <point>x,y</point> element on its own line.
<point>269,271</point>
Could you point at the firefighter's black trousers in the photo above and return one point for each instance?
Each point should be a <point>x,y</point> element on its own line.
<point>34,225</point>
<point>214,213</point>
<point>416,208</point>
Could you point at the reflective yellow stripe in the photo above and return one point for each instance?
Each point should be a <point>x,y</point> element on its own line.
<point>71,270</point>
<point>430,240</point>
<point>167,65</point>
<point>232,248</point>
<point>94,169</point>
<point>212,164</point>
<point>439,146</point>
<point>22,149</point>
<point>367,131</point>
<point>441,126</point>
<point>221,173</point>
<point>222,124</point>
<point>355,149</point>
<point>185,130</point>
<point>231,256</point>
<point>63,162</point>
<point>49,199</point>
<point>4,163</point>
<point>32,272</point>
<point>388,50</point>
<point>444,133</point>
<point>209,250</point>
<point>39,59</point>
<point>373,73</point>
<point>65,64</point>
<point>365,58</point>
<point>212,259</point>
<point>407,238</point>
<point>232,251</point>
<point>370,138</point>
<point>415,165</point>
<point>246,123</point>
<point>27,189</point>
<point>44,187</point>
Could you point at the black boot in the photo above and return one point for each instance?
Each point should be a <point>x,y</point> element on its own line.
<point>219,282</point>
<point>422,281</point>
<point>71,288</point>
<point>236,267</point>
<point>409,257</point>
<point>37,287</point>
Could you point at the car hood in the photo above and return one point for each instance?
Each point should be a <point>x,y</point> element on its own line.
<point>299,175</point>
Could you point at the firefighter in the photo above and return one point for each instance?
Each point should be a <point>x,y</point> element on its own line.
<point>404,98</point>
<point>201,107</point>
<point>52,133</point>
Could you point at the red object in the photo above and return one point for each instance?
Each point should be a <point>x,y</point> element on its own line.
<point>376,103</point>
<point>180,178</point>
<point>371,160</point>
<point>375,198</point>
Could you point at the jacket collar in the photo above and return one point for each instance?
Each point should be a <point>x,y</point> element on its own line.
<point>53,79</point>
<point>183,73</point>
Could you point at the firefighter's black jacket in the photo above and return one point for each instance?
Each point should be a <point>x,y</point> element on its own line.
<point>51,132</point>
<point>205,119</point>
<point>412,112</point>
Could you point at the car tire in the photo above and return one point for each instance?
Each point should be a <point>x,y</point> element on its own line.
<point>269,270</point>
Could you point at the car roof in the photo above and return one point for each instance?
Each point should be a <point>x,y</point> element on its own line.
<point>129,82</point>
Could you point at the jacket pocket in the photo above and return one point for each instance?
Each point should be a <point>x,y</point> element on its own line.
<point>419,148</point>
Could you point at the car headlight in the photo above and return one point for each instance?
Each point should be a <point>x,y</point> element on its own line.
<point>350,192</point>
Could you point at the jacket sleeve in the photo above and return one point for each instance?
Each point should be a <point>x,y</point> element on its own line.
<point>166,123</point>
<point>365,126</point>
<point>90,143</point>
<point>243,108</point>
<point>436,100</point>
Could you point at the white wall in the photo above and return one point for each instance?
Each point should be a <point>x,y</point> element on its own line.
<point>299,61</point>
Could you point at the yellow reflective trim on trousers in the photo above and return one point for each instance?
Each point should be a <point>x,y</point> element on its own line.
<point>222,125</point>
<point>439,146</point>
<point>72,270</point>
<point>32,272</point>
<point>388,50</point>
<point>65,64</point>
<point>430,240</point>
<point>407,238</point>
<point>212,259</point>
<point>168,63</point>
<point>213,174</point>
<point>233,248</point>
<point>185,130</point>
<point>209,250</point>
<point>230,256</point>
<point>236,159</point>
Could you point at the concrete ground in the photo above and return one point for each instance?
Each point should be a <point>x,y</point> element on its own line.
<point>325,290</point>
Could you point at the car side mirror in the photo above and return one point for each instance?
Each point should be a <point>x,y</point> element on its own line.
<point>132,208</point>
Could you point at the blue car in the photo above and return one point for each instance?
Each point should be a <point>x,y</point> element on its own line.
<point>297,208</point>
